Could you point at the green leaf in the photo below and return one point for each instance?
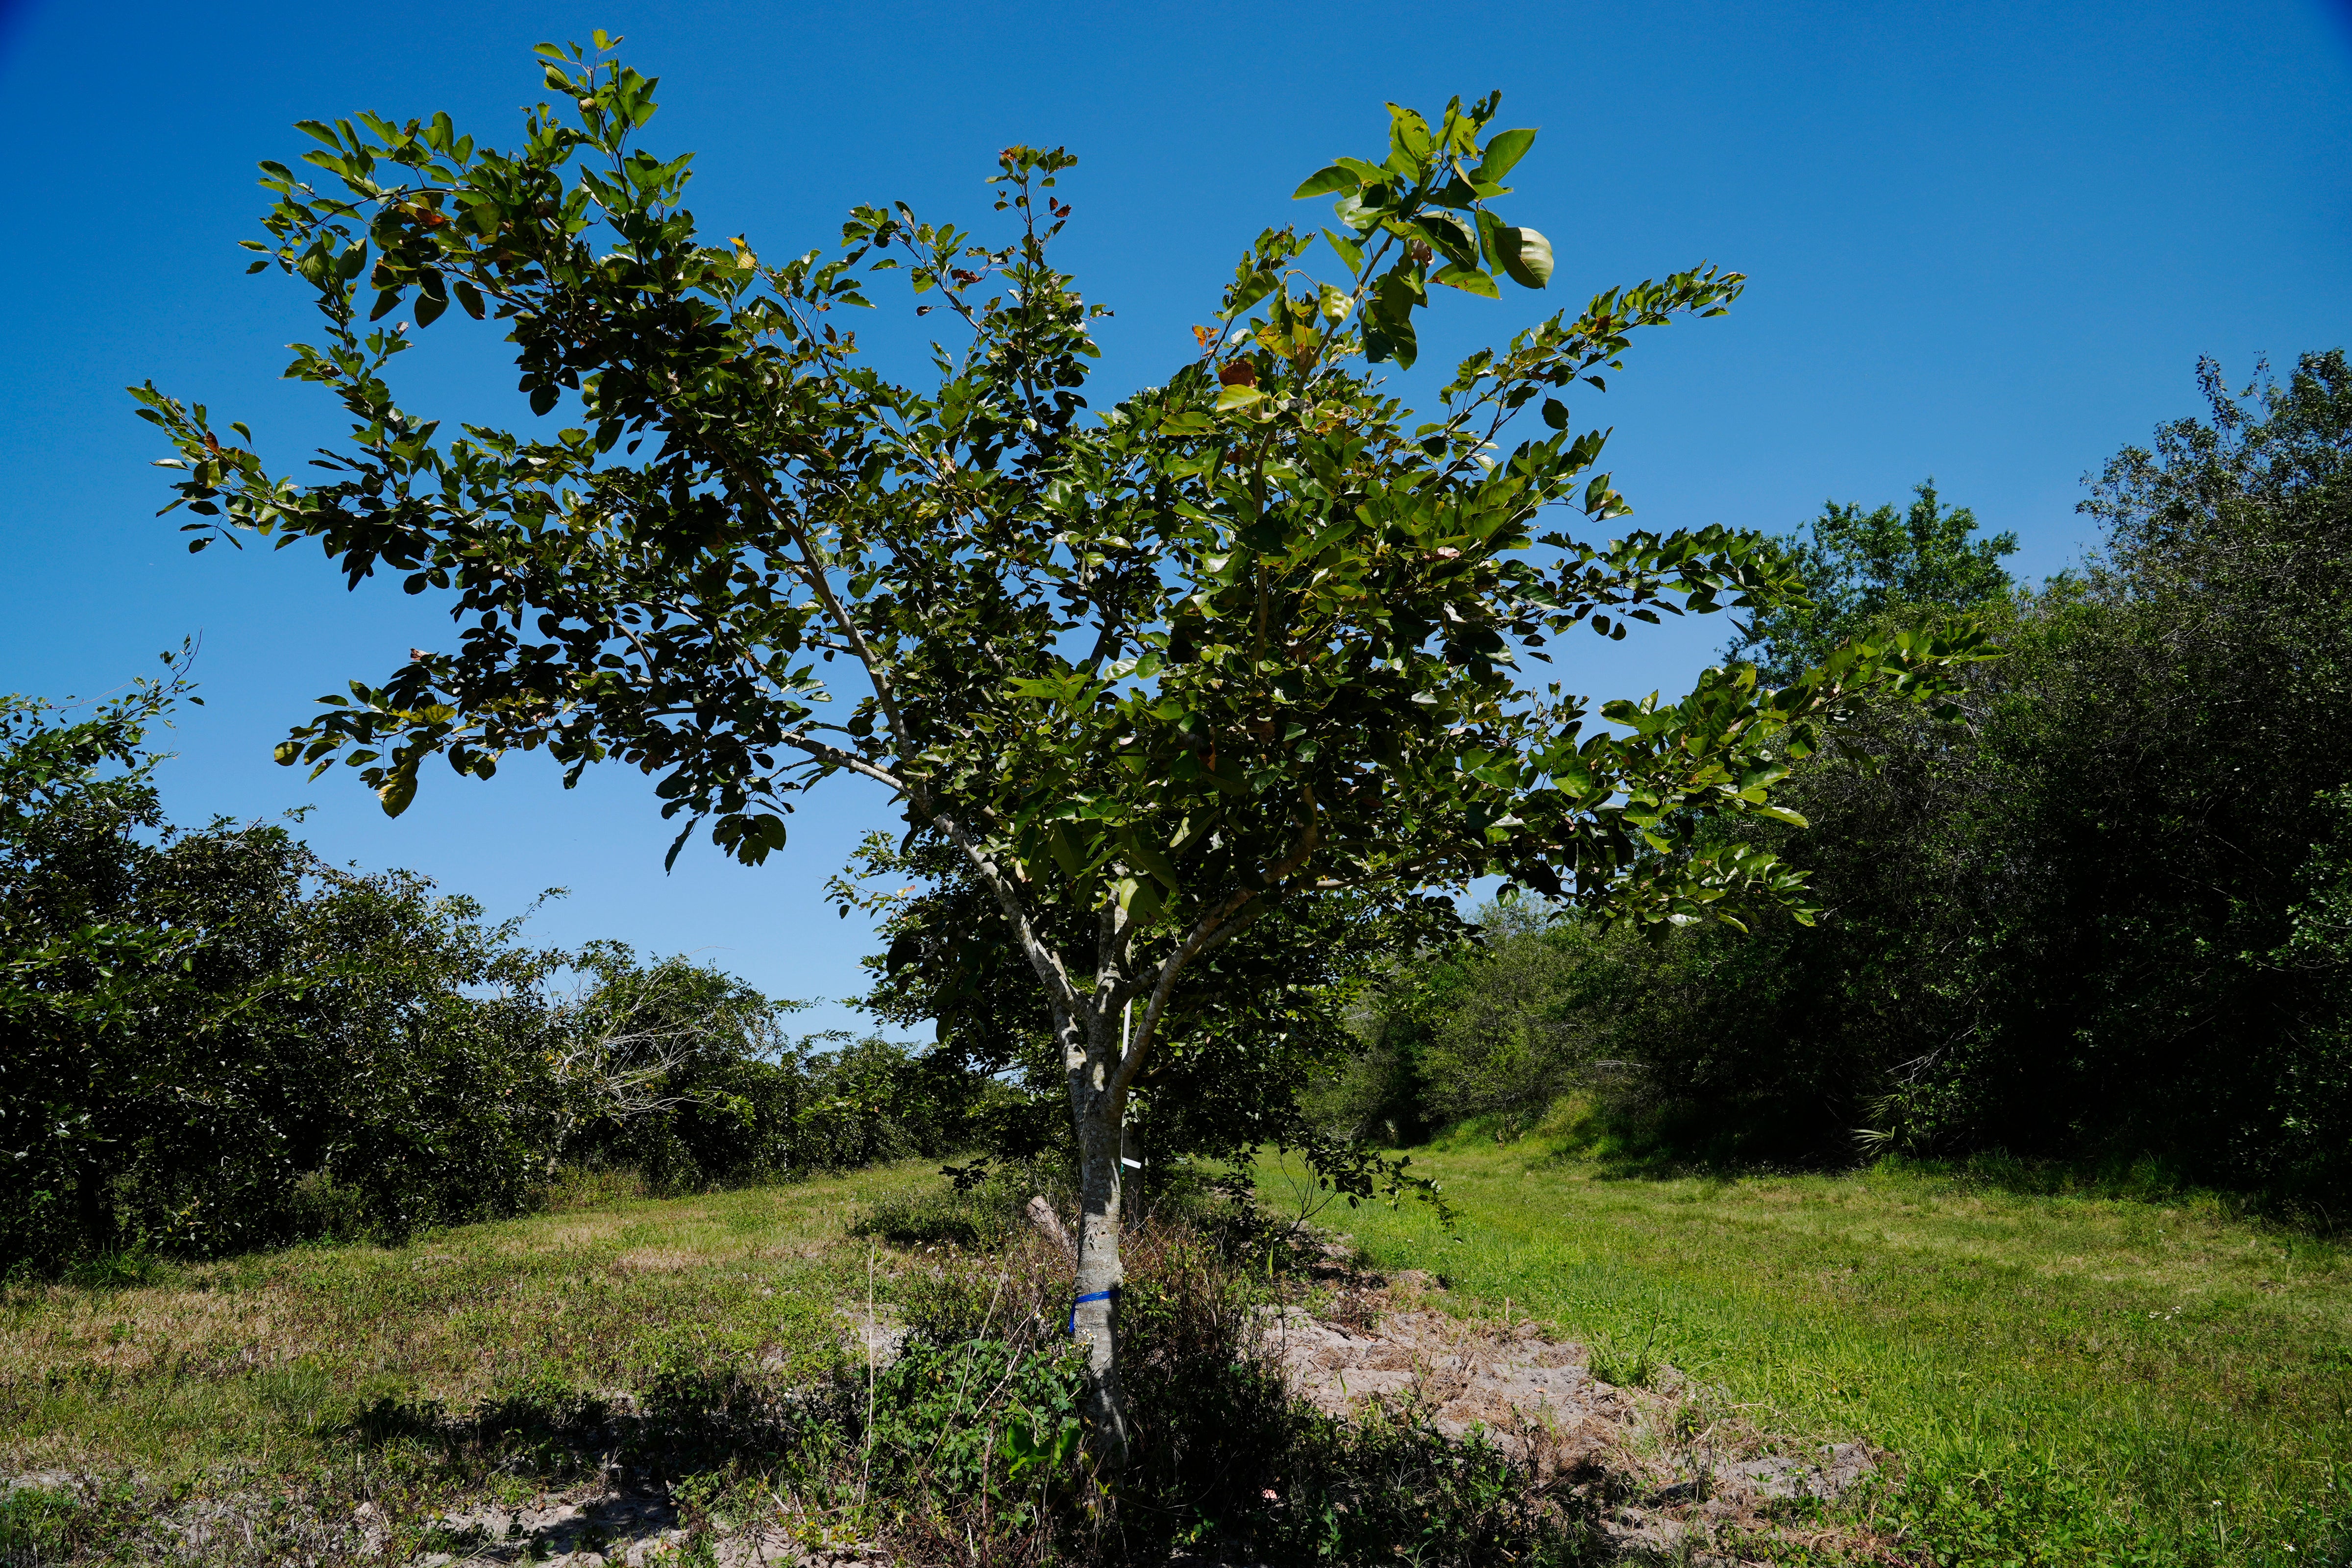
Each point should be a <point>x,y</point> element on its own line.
<point>1456,192</point>
<point>1140,899</point>
<point>1347,251</point>
<point>1526,256</point>
<point>1349,210</point>
<point>1066,852</point>
<point>1469,279</point>
<point>1238,397</point>
<point>1391,339</point>
<point>1323,181</point>
<point>1450,234</point>
<point>1148,857</point>
<point>1504,149</point>
<point>1408,134</point>
<point>1396,296</point>
<point>1249,291</point>
<point>1490,236</point>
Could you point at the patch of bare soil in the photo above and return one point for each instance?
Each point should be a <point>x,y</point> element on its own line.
<point>1674,1468</point>
<point>607,1525</point>
<point>618,1525</point>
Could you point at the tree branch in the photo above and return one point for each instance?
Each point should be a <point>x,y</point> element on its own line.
<point>1205,934</point>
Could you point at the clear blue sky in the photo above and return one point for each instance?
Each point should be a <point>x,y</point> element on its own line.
<point>1986,242</point>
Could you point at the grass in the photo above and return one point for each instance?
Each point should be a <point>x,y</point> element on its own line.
<point>358,1404</point>
<point>2058,1377</point>
<point>267,1363</point>
<point>2063,1379</point>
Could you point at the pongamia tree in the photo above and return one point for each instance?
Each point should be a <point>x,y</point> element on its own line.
<point>1255,633</point>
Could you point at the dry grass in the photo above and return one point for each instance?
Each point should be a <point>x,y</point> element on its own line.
<point>262,1359</point>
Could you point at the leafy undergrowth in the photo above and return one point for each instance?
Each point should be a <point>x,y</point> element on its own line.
<point>1228,1465</point>
<point>2066,1378</point>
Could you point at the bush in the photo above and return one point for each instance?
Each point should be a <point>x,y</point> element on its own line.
<point>981,1209</point>
<point>976,1448</point>
<point>214,1040</point>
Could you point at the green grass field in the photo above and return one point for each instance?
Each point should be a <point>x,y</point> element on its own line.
<point>2059,1379</point>
<point>2063,1379</point>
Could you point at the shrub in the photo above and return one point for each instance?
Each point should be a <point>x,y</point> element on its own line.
<point>214,1040</point>
<point>975,1447</point>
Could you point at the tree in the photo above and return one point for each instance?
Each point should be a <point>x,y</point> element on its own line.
<point>1252,634</point>
<point>211,1039</point>
<point>685,1074</point>
<point>1859,568</point>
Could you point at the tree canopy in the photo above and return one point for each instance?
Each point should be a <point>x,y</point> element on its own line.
<point>1860,568</point>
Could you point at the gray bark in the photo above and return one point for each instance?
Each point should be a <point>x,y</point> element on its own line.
<point>1097,1107</point>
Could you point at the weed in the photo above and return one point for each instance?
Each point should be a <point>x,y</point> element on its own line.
<point>116,1270</point>
<point>1633,1369</point>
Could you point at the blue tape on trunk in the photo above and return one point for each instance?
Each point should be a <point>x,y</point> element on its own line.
<point>1111,1294</point>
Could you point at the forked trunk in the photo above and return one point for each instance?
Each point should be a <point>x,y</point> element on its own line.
<point>1098,1109</point>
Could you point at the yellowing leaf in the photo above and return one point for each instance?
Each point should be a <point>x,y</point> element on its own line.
<point>397,791</point>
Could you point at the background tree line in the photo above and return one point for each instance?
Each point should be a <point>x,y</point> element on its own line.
<point>210,1038</point>
<point>2107,914</point>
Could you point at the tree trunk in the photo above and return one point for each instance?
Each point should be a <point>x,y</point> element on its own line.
<point>1097,1109</point>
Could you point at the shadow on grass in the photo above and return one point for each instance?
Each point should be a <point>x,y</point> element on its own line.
<point>1616,1145</point>
<point>684,1425</point>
